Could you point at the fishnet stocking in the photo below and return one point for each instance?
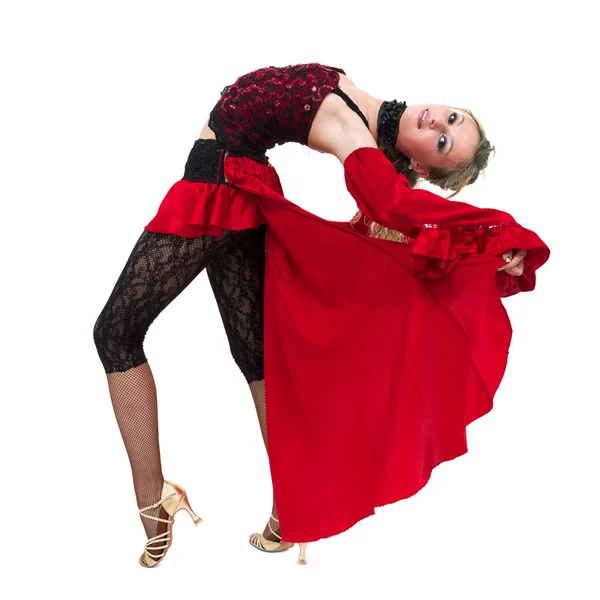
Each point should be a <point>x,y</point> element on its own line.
<point>133,396</point>
<point>257,389</point>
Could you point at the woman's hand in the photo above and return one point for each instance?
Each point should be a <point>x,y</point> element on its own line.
<point>515,262</point>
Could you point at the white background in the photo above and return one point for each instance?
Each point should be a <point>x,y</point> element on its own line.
<point>100,105</point>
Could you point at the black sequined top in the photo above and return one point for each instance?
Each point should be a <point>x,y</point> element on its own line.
<point>271,106</point>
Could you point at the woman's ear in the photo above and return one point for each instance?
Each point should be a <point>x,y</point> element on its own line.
<point>419,168</point>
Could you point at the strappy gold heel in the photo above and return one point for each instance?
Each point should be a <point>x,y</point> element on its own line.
<point>260,542</point>
<point>173,499</point>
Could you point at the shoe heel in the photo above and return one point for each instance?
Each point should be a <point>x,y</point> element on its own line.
<point>186,506</point>
<point>302,556</point>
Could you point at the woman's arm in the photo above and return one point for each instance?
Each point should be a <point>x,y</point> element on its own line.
<point>444,230</point>
<point>385,197</point>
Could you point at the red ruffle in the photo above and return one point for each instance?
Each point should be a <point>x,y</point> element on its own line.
<point>191,209</point>
<point>437,251</point>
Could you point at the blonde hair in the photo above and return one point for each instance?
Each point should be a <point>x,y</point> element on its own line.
<point>468,172</point>
<point>448,179</point>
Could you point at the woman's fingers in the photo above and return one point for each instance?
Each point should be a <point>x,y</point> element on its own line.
<point>516,271</point>
<point>515,263</point>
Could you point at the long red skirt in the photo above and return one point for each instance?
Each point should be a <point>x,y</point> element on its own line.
<point>377,354</point>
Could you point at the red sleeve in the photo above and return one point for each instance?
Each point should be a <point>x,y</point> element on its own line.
<point>444,230</point>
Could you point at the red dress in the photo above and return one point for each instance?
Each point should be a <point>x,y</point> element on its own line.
<point>377,354</point>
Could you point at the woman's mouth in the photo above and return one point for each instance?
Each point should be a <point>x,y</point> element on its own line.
<point>422,117</point>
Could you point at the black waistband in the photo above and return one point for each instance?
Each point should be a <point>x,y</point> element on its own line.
<point>206,162</point>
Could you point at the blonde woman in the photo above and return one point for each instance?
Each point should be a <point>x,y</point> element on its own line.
<point>211,219</point>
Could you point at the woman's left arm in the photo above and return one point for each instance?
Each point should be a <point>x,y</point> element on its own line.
<point>444,230</point>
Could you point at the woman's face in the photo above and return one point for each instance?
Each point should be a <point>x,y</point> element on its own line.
<point>433,135</point>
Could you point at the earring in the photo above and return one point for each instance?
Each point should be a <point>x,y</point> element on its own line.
<point>410,166</point>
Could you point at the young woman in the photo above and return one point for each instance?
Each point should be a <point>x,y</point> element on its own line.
<point>216,218</point>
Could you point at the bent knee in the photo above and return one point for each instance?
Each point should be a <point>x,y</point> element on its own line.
<point>119,347</point>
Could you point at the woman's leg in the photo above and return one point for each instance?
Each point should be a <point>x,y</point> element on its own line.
<point>237,280</point>
<point>257,389</point>
<point>159,268</point>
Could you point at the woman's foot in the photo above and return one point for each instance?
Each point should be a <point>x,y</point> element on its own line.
<point>173,499</point>
<point>272,531</point>
<point>270,540</point>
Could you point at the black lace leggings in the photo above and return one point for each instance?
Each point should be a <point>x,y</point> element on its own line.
<point>160,267</point>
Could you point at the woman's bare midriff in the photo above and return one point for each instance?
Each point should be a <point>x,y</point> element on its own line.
<point>207,133</point>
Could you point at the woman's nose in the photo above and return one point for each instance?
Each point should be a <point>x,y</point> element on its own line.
<point>437,125</point>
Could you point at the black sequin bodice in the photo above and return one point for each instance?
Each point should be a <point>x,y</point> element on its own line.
<point>271,106</point>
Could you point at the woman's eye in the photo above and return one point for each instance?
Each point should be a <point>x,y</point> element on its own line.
<point>452,118</point>
<point>442,142</point>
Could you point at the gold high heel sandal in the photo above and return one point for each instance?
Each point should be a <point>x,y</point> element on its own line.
<point>260,542</point>
<point>173,499</point>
